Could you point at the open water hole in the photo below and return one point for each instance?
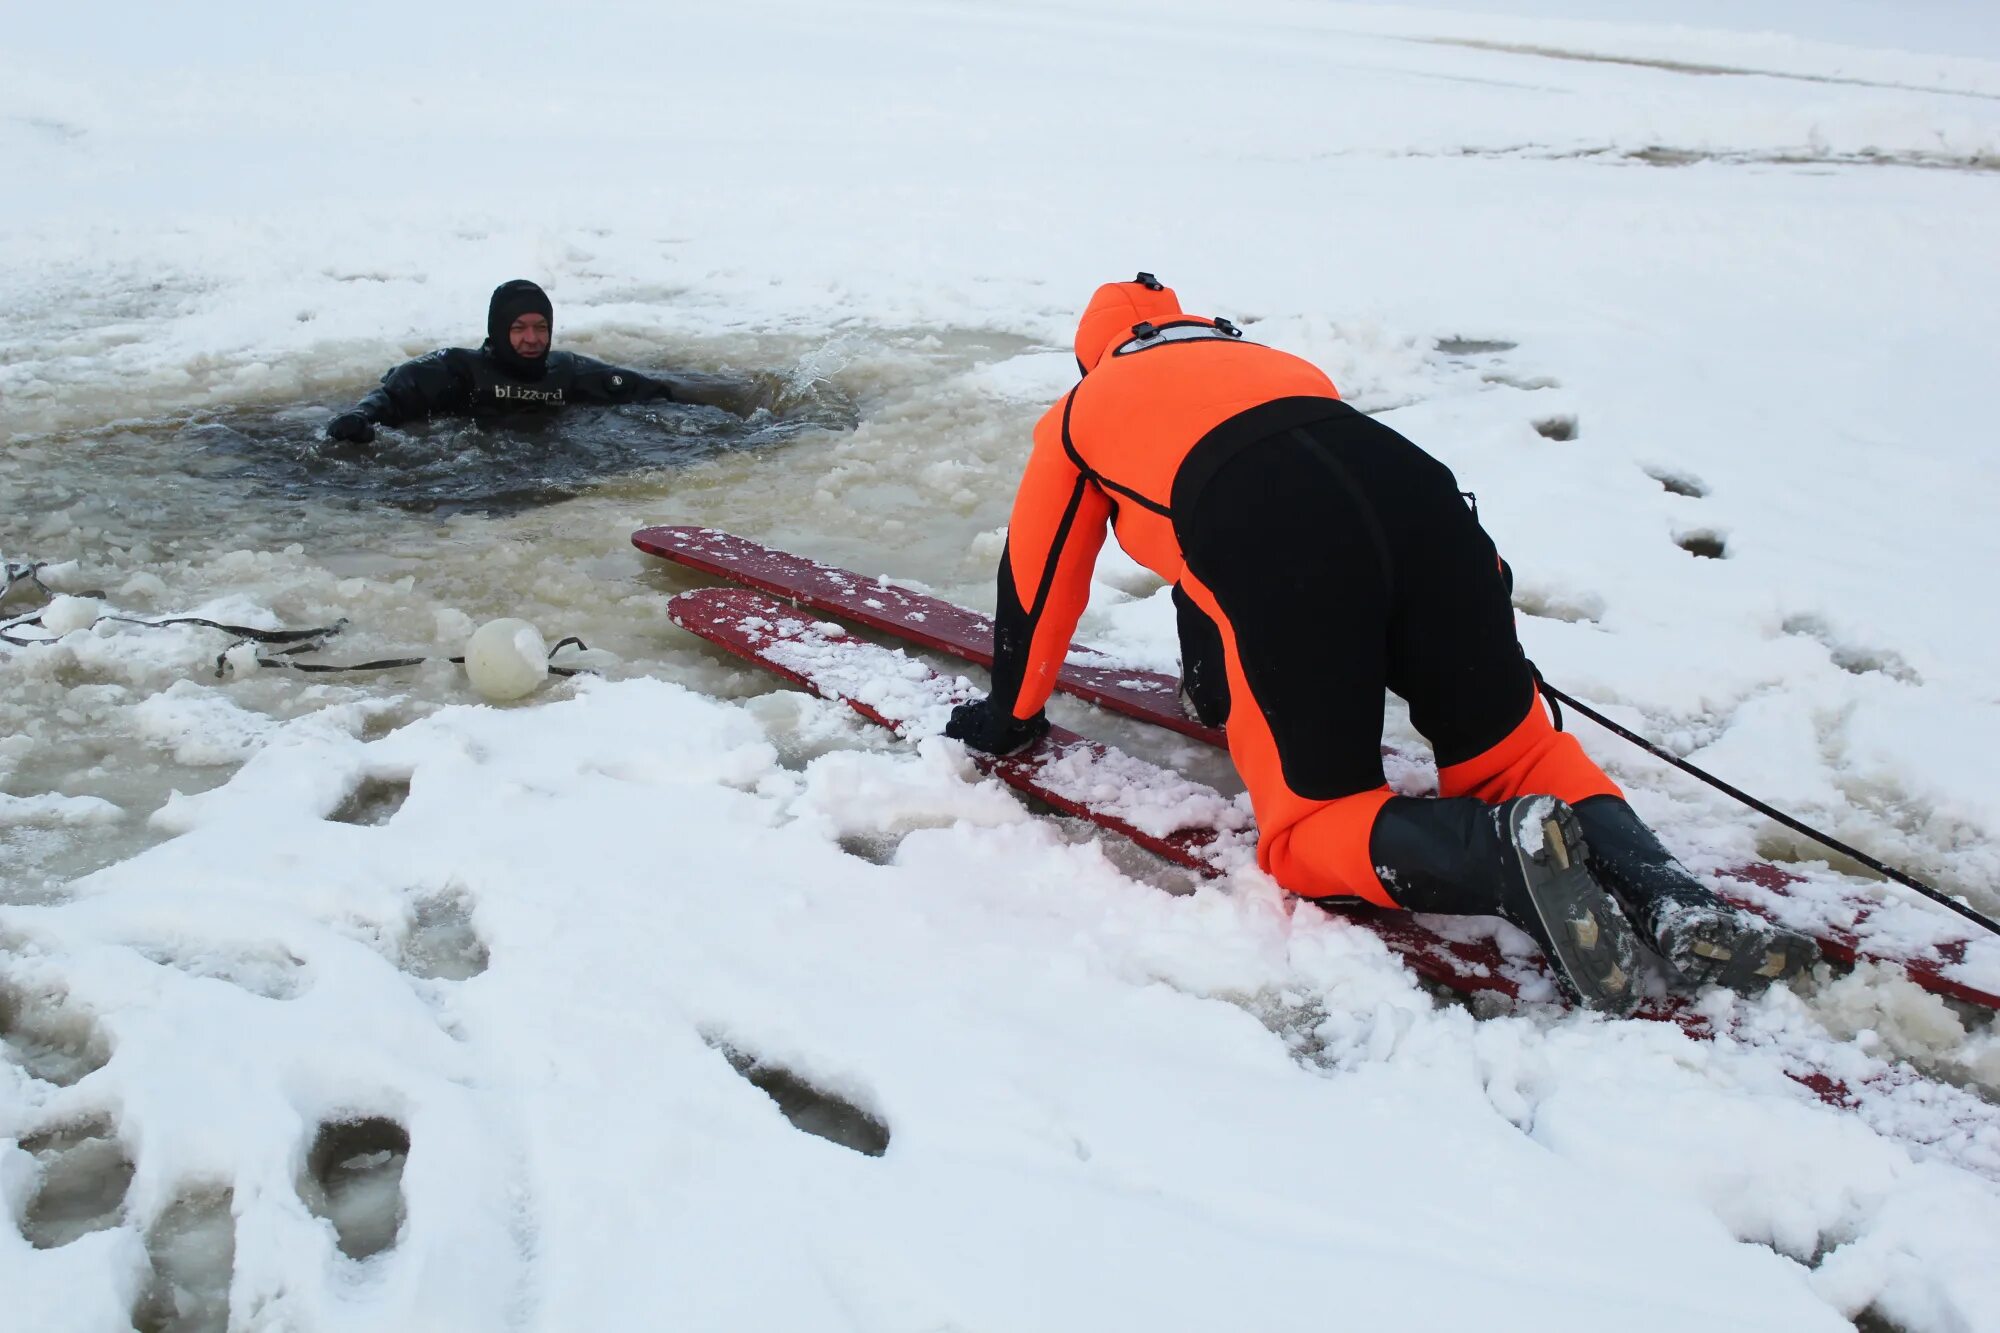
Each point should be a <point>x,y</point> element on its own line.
<point>884,450</point>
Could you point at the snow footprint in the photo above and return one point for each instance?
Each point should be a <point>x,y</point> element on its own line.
<point>192,1246</point>
<point>1487,353</point>
<point>374,802</point>
<point>442,944</point>
<point>85,1172</point>
<point>812,1109</point>
<point>1465,347</point>
<point>354,1180</point>
<point>47,1040</point>
<point>1678,483</point>
<point>1526,383</point>
<point>875,848</point>
<point>1706,543</point>
<point>1853,658</point>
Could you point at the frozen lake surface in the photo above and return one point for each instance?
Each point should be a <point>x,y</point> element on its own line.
<point>667,997</point>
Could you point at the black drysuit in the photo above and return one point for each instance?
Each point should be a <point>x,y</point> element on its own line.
<point>470,381</point>
<point>493,380</point>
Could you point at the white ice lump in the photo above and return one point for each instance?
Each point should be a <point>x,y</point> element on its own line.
<point>66,615</point>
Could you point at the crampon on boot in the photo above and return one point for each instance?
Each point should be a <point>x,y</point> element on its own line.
<point>1706,940</point>
<point>1525,861</point>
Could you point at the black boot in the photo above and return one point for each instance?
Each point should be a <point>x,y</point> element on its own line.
<point>1524,861</point>
<point>1707,940</point>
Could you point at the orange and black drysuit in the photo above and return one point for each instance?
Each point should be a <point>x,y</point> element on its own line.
<point>1317,558</point>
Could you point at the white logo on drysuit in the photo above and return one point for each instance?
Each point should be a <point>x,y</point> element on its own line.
<point>527,395</point>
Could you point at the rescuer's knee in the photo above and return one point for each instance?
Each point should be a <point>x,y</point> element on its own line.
<point>1325,853</point>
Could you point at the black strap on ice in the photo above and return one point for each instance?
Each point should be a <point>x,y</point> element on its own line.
<point>391,663</point>
<point>381,664</point>
<point>242,632</point>
<point>304,638</point>
<point>1556,696</point>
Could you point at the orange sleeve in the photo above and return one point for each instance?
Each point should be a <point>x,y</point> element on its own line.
<point>1053,539</point>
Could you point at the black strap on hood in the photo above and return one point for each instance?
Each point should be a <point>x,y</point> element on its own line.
<point>511,300</point>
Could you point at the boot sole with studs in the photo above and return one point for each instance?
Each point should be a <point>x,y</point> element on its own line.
<point>1735,950</point>
<point>1589,942</point>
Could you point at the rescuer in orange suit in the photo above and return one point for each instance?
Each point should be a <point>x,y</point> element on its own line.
<point>1318,558</point>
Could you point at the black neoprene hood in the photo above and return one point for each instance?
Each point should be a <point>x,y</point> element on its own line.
<point>511,300</point>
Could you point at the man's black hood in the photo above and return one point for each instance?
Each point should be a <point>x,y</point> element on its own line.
<point>511,300</point>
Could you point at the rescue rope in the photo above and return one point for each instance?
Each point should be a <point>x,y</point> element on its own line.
<point>391,663</point>
<point>304,638</point>
<point>242,632</point>
<point>5,625</point>
<point>1556,697</point>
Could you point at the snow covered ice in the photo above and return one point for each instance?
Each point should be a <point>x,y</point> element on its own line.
<point>352,1003</point>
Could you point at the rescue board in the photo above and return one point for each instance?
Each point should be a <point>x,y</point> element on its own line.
<point>1853,920</point>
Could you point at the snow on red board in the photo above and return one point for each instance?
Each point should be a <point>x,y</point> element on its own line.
<point>928,621</point>
<point>1953,961</point>
<point>1195,826</point>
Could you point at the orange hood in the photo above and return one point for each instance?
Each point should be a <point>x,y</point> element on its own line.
<point>1113,310</point>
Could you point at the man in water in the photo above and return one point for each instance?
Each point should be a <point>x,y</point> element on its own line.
<point>1318,558</point>
<point>512,372</point>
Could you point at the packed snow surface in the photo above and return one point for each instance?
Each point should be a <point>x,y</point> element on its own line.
<point>670,998</point>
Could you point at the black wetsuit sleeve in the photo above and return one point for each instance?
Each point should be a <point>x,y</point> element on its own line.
<point>599,382</point>
<point>430,384</point>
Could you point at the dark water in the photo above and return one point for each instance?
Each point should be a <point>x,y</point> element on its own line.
<point>457,465</point>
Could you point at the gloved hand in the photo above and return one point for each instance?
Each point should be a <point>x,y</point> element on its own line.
<point>1196,707</point>
<point>352,426</point>
<point>984,727</point>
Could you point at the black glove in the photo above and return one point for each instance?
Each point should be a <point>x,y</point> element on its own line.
<point>983,727</point>
<point>352,426</point>
<point>1202,703</point>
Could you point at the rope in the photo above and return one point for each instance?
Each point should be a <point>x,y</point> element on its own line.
<point>243,632</point>
<point>392,663</point>
<point>1797,826</point>
<point>33,617</point>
